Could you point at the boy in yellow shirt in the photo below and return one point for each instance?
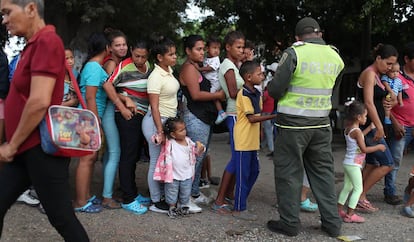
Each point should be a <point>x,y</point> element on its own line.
<point>247,136</point>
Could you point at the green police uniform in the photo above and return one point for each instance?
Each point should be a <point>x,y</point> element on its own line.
<point>303,84</point>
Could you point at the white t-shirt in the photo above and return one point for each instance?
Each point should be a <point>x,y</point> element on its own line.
<point>181,161</point>
<point>212,76</point>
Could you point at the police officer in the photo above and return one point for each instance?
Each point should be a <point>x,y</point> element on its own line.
<point>303,85</point>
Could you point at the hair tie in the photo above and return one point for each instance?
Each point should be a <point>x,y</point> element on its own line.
<point>348,103</point>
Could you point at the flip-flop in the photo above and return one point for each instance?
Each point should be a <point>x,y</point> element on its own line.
<point>112,204</point>
<point>308,206</point>
<point>229,200</point>
<point>89,207</point>
<point>223,209</point>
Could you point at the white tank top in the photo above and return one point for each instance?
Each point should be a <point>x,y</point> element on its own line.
<point>353,155</point>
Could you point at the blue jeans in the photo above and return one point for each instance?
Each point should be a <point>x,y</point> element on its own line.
<point>149,129</point>
<point>378,157</point>
<point>197,130</point>
<point>397,147</point>
<point>268,133</point>
<point>113,150</point>
<point>178,190</point>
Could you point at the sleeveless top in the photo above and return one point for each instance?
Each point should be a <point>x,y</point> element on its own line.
<point>203,110</point>
<point>353,155</point>
<point>379,95</point>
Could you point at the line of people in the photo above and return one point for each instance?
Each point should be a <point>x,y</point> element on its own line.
<point>135,102</point>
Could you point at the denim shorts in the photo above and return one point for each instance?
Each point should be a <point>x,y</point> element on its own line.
<point>378,158</point>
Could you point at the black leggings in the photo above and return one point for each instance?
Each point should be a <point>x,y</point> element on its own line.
<point>132,141</point>
<point>49,176</point>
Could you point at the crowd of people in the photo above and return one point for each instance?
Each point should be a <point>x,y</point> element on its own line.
<point>147,106</point>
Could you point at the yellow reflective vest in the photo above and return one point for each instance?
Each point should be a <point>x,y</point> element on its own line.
<point>310,90</point>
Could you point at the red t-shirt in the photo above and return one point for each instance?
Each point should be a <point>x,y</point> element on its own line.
<point>43,55</point>
<point>405,114</point>
<point>268,102</point>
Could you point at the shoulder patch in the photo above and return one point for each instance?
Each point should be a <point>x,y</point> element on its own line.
<point>298,43</point>
<point>283,58</point>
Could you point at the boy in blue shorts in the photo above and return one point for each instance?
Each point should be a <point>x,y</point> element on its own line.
<point>247,136</point>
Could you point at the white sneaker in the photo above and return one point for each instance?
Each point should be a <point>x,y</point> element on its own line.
<point>202,199</point>
<point>26,198</point>
<point>193,208</point>
<point>157,210</point>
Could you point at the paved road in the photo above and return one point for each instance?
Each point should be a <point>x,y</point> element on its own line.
<point>24,223</point>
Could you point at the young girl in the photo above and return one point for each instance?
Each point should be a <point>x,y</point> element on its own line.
<point>356,115</point>
<point>118,49</point>
<point>92,77</point>
<point>127,88</point>
<point>175,166</point>
<point>69,95</point>
<point>231,82</point>
<point>162,88</point>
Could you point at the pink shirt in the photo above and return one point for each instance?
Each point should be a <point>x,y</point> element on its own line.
<point>405,114</point>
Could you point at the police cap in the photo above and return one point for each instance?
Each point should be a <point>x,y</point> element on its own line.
<point>307,25</point>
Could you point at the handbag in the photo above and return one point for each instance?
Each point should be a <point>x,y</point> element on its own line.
<point>70,132</point>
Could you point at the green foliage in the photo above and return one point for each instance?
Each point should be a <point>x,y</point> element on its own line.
<point>352,25</point>
<point>138,19</point>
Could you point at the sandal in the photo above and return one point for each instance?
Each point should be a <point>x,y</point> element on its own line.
<point>354,218</point>
<point>143,200</point>
<point>308,206</point>
<point>366,206</point>
<point>94,200</point>
<point>135,207</point>
<point>111,204</point>
<point>229,200</point>
<point>223,209</point>
<point>89,207</point>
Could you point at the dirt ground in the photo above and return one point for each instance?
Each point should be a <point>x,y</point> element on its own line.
<point>23,223</point>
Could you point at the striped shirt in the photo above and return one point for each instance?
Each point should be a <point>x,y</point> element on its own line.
<point>129,81</point>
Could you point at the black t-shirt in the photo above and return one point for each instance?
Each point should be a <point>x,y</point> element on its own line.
<point>379,95</point>
<point>203,110</point>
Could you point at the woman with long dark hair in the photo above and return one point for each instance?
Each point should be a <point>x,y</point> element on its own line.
<point>199,109</point>
<point>92,77</point>
<point>373,93</point>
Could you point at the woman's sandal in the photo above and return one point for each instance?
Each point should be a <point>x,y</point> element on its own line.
<point>366,206</point>
<point>223,209</point>
<point>229,200</point>
<point>94,200</point>
<point>89,207</point>
<point>111,204</point>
